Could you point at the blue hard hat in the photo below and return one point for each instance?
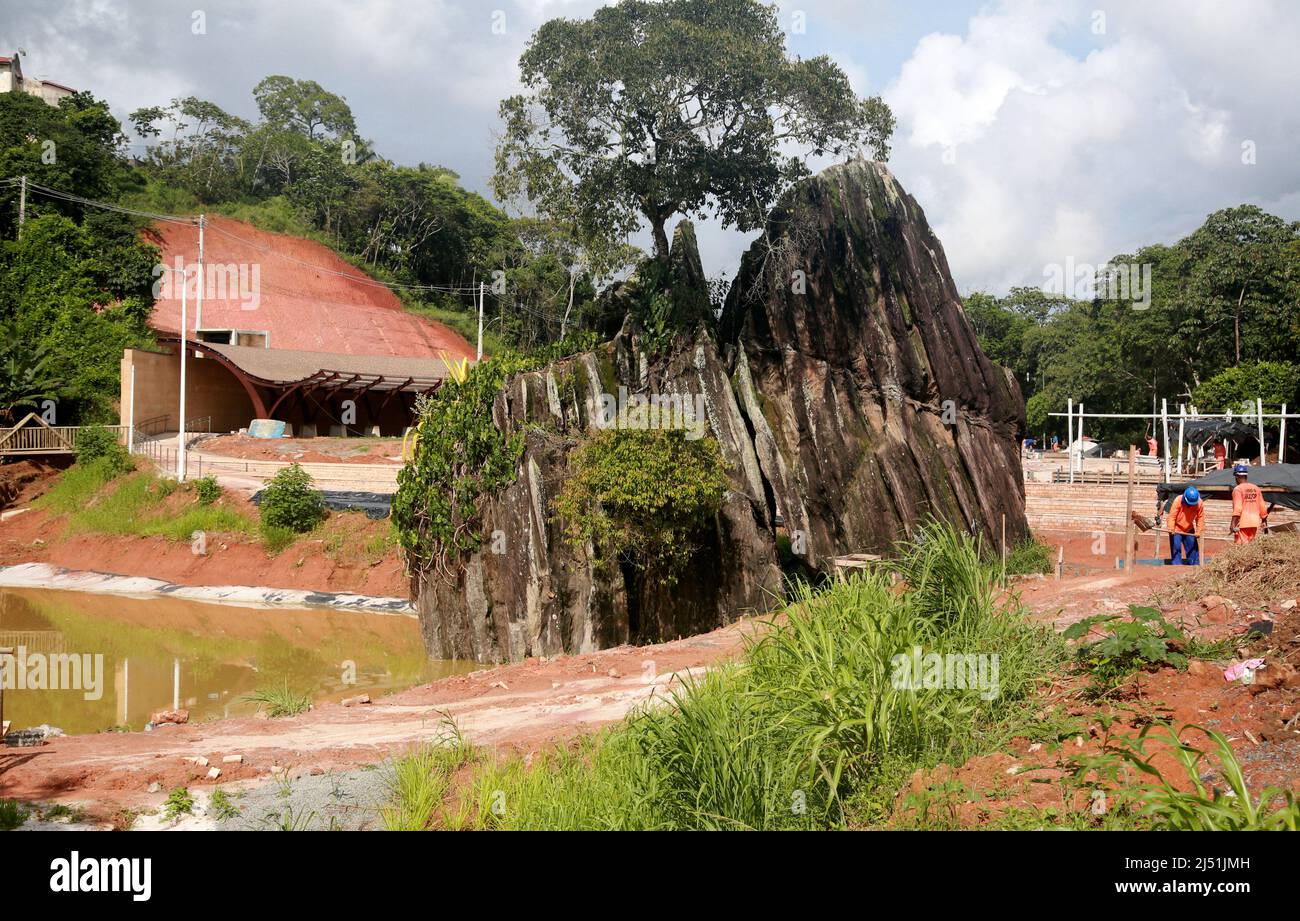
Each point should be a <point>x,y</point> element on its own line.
<point>1192,496</point>
<point>1241,470</point>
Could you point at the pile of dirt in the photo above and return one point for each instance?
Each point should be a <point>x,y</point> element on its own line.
<point>1261,573</point>
<point>23,481</point>
<point>306,450</point>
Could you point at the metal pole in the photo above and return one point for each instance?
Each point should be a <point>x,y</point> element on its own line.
<point>198,310</point>
<point>1080,442</point>
<point>1164,434</point>
<point>1259,416</point>
<point>1281,438</point>
<point>22,204</point>
<point>479,355</point>
<point>180,450</point>
<point>1129,537</point>
<point>1069,436</point>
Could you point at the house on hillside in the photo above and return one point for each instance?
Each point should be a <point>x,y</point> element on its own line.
<point>287,331</point>
<point>12,80</point>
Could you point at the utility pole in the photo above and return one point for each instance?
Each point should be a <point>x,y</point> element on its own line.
<point>479,357</point>
<point>180,444</point>
<point>22,204</point>
<point>198,312</point>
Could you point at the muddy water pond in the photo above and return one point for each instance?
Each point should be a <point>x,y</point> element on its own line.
<point>90,663</point>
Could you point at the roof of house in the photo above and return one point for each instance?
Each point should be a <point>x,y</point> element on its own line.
<point>291,366</point>
<point>307,298</point>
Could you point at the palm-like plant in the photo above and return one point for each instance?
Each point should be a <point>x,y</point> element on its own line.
<point>26,377</point>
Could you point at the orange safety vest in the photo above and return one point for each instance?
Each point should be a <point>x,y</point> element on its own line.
<point>1186,519</point>
<point>1248,505</point>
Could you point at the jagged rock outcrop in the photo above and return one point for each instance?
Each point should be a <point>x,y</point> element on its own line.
<point>529,592</point>
<point>846,391</point>
<point>871,402</point>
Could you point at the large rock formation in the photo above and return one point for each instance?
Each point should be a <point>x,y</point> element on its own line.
<point>848,397</point>
<point>871,402</point>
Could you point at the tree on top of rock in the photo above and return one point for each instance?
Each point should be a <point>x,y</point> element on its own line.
<point>651,109</point>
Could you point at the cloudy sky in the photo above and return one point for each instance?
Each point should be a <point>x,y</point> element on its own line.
<point>1033,134</point>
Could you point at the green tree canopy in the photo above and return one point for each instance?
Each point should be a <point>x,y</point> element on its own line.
<point>652,109</point>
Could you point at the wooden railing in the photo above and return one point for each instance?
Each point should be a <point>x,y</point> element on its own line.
<point>32,436</point>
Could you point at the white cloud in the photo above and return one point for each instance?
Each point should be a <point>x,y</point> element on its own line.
<point>1069,146</point>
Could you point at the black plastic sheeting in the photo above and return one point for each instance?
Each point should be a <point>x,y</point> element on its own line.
<point>376,505</point>
<point>1280,484</point>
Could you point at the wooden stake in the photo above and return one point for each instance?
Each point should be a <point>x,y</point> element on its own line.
<point>1129,538</point>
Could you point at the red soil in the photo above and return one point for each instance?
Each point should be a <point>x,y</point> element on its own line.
<point>306,450</point>
<point>36,536</point>
<point>307,297</point>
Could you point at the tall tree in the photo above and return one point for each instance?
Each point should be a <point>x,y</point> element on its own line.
<point>652,109</point>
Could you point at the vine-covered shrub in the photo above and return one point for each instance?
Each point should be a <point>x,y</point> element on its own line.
<point>643,495</point>
<point>459,456</point>
<point>290,503</point>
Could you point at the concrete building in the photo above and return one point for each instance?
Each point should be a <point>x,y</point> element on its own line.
<point>289,331</point>
<point>12,80</point>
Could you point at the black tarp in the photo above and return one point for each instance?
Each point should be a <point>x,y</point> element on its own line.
<point>375,505</point>
<point>1280,484</point>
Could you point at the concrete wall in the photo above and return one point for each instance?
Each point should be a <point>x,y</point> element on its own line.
<point>211,391</point>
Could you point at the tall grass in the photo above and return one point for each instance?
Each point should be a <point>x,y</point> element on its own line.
<point>808,729</point>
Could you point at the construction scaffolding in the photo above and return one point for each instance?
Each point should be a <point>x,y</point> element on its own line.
<point>1165,422</point>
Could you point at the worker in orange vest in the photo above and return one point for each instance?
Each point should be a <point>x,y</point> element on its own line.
<point>1186,520</point>
<point>1153,446</point>
<point>1249,512</point>
<point>1220,455</point>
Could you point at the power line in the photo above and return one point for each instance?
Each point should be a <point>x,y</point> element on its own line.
<point>362,279</point>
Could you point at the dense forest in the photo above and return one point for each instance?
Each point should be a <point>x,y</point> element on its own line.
<point>1217,327</point>
<point>1222,324</point>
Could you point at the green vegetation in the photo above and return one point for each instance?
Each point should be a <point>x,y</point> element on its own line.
<point>1029,557</point>
<point>1224,310</point>
<point>811,729</point>
<point>97,445</point>
<point>207,489</point>
<point>96,501</point>
<point>1236,389</point>
<point>1189,805</point>
<point>178,803</point>
<point>288,503</point>
<point>76,288</point>
<point>643,495</point>
<point>222,807</point>
<point>694,99</point>
<point>419,781</point>
<point>1142,641</point>
<point>280,701</point>
<point>460,456</point>
<point>12,814</point>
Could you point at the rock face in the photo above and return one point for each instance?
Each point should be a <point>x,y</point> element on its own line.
<point>871,402</point>
<point>848,397</point>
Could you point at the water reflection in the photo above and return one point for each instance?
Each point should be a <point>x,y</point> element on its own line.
<point>161,652</point>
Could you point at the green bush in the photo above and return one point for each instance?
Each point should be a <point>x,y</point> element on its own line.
<point>289,502</point>
<point>645,493</point>
<point>207,489</point>
<point>96,445</point>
